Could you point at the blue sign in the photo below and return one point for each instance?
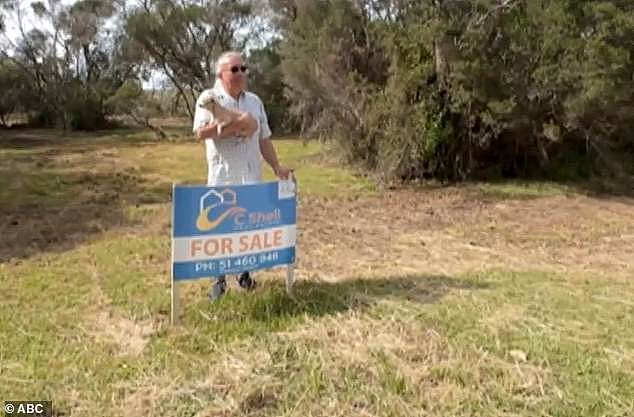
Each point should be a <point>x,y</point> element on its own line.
<point>231,229</point>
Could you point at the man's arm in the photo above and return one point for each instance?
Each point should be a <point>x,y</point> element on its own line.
<point>266,146</point>
<point>270,156</point>
<point>207,131</point>
<point>245,125</point>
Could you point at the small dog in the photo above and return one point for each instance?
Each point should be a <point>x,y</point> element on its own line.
<point>221,115</point>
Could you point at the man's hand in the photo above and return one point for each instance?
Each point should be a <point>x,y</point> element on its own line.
<point>282,172</point>
<point>244,126</point>
<point>209,131</point>
<point>270,156</point>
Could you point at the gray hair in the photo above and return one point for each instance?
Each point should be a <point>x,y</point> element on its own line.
<point>223,58</point>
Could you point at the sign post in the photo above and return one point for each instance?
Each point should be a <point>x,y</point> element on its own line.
<point>290,279</point>
<point>226,230</point>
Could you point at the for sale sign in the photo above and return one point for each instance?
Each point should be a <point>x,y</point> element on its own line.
<point>231,229</point>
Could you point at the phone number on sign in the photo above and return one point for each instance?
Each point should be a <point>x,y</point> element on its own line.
<point>241,262</point>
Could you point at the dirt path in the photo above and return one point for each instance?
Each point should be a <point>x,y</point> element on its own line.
<point>450,232</point>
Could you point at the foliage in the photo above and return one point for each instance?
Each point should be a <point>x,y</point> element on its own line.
<point>409,89</point>
<point>449,89</point>
<point>182,39</point>
<point>265,75</point>
<point>15,90</point>
<point>132,100</point>
<point>71,62</point>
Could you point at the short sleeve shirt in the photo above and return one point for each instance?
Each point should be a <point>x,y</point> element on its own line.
<point>234,160</point>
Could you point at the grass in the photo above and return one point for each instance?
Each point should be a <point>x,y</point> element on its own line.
<point>186,162</point>
<point>521,189</point>
<point>84,318</point>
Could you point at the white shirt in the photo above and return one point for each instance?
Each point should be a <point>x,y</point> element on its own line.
<point>234,160</point>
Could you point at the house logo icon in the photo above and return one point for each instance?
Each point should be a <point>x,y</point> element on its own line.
<point>221,204</point>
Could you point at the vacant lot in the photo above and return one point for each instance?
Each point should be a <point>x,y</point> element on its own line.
<point>507,299</point>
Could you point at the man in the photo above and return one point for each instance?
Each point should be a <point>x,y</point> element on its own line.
<point>233,157</point>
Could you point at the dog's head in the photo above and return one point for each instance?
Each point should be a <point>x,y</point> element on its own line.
<point>209,102</point>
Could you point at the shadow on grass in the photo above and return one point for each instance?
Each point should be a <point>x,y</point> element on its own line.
<point>515,189</point>
<point>58,190</point>
<point>46,210</point>
<point>572,172</point>
<point>57,141</point>
<point>269,308</point>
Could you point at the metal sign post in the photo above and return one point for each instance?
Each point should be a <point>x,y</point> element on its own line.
<point>290,279</point>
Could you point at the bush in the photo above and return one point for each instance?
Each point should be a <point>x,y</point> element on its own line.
<point>86,113</point>
<point>453,89</point>
<point>130,99</point>
<point>40,119</point>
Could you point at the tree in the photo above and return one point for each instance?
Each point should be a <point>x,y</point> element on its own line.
<point>131,100</point>
<point>333,62</point>
<point>450,88</point>
<point>15,89</point>
<point>183,38</point>
<point>35,53</point>
<point>90,44</point>
<point>74,59</point>
<point>266,79</point>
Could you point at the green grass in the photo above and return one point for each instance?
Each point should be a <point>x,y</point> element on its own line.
<point>517,189</point>
<point>185,163</point>
<point>449,355</point>
<point>315,178</point>
<point>86,325</point>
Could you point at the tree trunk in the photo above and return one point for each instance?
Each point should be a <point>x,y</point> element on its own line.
<point>157,130</point>
<point>145,121</point>
<point>446,55</point>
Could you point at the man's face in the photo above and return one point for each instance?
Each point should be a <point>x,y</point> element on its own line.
<point>233,74</point>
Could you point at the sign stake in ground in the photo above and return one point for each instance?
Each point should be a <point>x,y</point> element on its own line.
<point>226,230</point>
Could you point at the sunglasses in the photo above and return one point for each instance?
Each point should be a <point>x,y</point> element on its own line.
<point>236,68</point>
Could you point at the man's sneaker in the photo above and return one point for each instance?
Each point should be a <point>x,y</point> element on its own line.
<point>245,281</point>
<point>218,288</point>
